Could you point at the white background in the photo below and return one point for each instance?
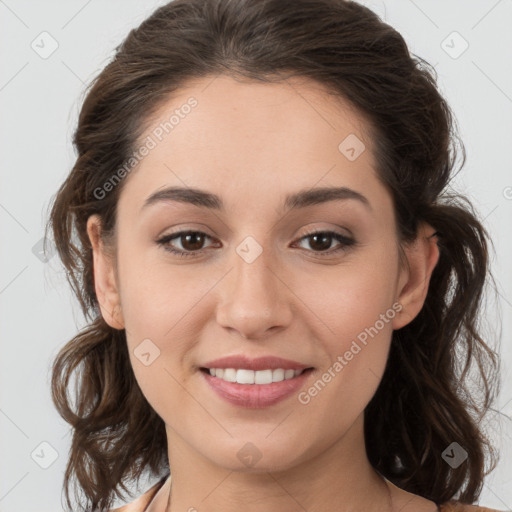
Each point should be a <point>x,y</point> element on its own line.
<point>39,101</point>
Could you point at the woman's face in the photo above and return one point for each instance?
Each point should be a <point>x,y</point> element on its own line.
<point>256,283</point>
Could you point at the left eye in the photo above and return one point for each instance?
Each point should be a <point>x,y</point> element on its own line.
<point>321,239</point>
<point>192,241</point>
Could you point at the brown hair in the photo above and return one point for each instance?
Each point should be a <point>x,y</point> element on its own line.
<point>423,403</point>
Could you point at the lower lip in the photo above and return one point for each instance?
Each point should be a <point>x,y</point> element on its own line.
<point>255,396</point>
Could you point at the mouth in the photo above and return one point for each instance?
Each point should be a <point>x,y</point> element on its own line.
<point>254,383</point>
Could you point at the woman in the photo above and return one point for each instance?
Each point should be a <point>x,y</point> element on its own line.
<point>275,274</point>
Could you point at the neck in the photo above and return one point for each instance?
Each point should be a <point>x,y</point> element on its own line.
<point>339,477</point>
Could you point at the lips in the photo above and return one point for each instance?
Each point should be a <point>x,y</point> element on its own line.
<point>251,393</point>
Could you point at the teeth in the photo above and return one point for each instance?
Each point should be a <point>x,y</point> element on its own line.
<point>263,377</point>
<point>278,375</point>
<point>229,374</point>
<point>243,376</point>
<point>288,374</point>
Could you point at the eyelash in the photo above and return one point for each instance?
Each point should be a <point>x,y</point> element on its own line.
<point>345,241</point>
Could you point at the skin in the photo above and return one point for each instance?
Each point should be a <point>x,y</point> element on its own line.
<point>253,143</point>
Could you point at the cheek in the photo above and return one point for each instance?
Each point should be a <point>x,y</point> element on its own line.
<point>154,295</point>
<point>354,307</point>
<point>159,328</point>
<point>352,297</point>
<point>162,309</point>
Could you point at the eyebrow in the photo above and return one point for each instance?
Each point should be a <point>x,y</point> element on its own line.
<point>301,199</point>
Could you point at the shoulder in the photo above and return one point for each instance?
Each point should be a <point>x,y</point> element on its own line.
<point>143,501</point>
<point>457,506</point>
<point>411,502</point>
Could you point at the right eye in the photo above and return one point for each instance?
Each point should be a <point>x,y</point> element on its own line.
<point>190,240</point>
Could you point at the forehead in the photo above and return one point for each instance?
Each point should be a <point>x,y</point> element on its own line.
<point>250,141</point>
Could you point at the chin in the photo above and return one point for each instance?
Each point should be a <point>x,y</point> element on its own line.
<point>258,455</point>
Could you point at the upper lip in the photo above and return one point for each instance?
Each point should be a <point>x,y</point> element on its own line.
<point>258,363</point>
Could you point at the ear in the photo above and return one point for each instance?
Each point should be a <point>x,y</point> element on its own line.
<point>104,276</point>
<point>422,256</point>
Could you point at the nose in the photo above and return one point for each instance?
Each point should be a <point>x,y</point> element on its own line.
<point>255,300</point>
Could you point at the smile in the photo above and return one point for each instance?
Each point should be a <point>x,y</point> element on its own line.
<point>255,389</point>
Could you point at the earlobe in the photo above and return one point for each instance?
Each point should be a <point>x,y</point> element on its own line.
<point>104,276</point>
<point>422,257</point>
